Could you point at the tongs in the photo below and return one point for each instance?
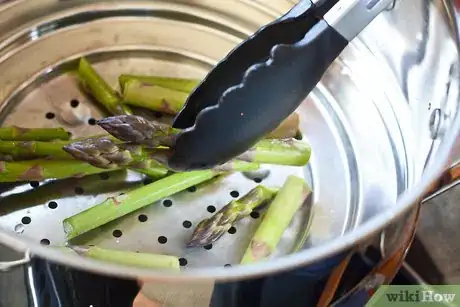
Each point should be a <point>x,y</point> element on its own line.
<point>264,79</point>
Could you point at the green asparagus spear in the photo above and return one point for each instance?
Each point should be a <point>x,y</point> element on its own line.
<point>211,229</point>
<point>289,128</point>
<point>282,152</point>
<point>18,149</point>
<point>288,200</point>
<point>118,206</point>
<point>100,90</point>
<point>104,152</point>
<point>142,260</point>
<point>37,170</point>
<point>168,95</point>
<point>178,84</point>
<point>137,130</point>
<point>269,151</point>
<point>153,97</point>
<point>14,133</point>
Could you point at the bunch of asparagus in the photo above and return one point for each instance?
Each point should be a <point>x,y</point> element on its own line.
<point>143,145</point>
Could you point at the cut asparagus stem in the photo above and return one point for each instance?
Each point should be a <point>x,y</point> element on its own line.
<point>283,152</point>
<point>153,97</point>
<point>14,133</point>
<point>289,128</point>
<point>137,130</point>
<point>142,260</point>
<point>118,206</point>
<point>211,229</point>
<point>100,90</point>
<point>178,84</point>
<point>19,149</point>
<point>269,151</point>
<point>106,153</point>
<point>37,170</point>
<point>287,201</point>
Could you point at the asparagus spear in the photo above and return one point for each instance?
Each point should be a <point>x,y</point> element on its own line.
<point>142,260</point>
<point>282,152</point>
<point>137,130</point>
<point>277,218</point>
<point>153,97</point>
<point>100,90</point>
<point>269,151</point>
<point>18,149</point>
<point>37,170</point>
<point>105,153</point>
<point>211,229</point>
<point>152,92</point>
<point>168,95</point>
<point>289,128</point>
<point>14,133</point>
<point>178,84</point>
<point>118,206</point>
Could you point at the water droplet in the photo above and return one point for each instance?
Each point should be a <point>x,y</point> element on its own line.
<point>19,228</point>
<point>117,241</point>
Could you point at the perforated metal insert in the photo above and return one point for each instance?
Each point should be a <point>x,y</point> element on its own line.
<point>36,210</point>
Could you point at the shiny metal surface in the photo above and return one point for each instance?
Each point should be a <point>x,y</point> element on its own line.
<point>350,17</point>
<point>368,121</point>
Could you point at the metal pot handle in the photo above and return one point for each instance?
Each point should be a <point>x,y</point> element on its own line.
<point>8,265</point>
<point>449,179</point>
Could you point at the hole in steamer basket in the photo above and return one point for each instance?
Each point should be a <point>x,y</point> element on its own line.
<point>167,203</point>
<point>234,194</point>
<point>45,242</point>
<point>183,261</point>
<point>74,103</point>
<point>187,224</point>
<point>26,220</point>
<point>232,230</point>
<point>142,218</point>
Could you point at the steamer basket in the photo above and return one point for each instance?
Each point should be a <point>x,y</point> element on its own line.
<point>381,123</point>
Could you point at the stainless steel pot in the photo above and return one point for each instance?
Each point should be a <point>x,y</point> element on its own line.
<point>382,123</point>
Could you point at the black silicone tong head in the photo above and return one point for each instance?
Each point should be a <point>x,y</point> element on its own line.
<point>259,83</point>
